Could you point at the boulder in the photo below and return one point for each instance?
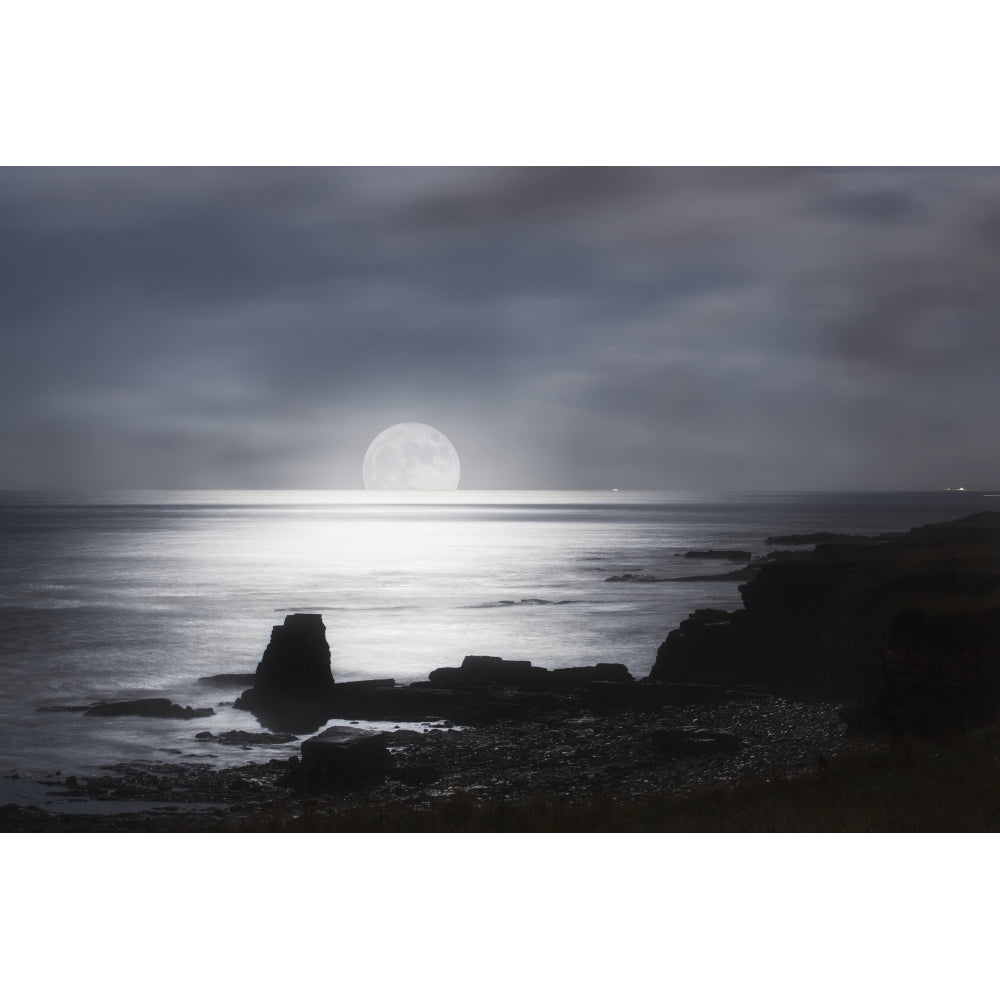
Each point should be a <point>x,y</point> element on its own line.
<point>155,708</point>
<point>344,753</point>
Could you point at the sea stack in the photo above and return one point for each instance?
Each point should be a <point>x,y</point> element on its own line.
<point>296,663</point>
<point>293,683</point>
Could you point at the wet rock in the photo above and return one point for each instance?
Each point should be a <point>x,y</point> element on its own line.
<point>157,708</point>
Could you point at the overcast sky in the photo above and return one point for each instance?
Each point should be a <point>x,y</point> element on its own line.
<point>672,328</point>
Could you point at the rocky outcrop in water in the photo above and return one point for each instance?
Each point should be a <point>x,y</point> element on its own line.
<point>484,689</point>
<point>479,671</point>
<point>154,708</point>
<point>906,623</point>
<point>296,663</point>
<point>293,683</point>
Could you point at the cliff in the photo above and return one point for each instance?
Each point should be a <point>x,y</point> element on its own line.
<point>906,624</point>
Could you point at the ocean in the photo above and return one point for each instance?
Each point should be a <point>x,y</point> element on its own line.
<point>124,595</point>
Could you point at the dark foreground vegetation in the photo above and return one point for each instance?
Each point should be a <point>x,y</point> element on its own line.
<point>949,785</point>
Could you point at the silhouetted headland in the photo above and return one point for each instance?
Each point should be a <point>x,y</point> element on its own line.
<point>906,626</point>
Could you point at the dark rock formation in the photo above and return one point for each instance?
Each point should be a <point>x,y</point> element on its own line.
<point>478,671</point>
<point>343,754</point>
<point>156,708</point>
<point>293,683</point>
<point>296,663</point>
<point>839,621</point>
<point>614,672</point>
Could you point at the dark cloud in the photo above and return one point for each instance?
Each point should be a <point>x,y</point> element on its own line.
<point>564,326</point>
<point>533,195</point>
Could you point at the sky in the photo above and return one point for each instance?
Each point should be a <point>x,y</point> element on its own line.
<point>566,328</point>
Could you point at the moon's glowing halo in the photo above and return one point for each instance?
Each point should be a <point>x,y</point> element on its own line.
<point>411,456</point>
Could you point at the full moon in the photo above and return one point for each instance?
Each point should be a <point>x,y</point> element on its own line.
<point>411,457</point>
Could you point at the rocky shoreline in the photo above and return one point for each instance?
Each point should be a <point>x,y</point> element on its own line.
<point>847,646</point>
<point>568,756</point>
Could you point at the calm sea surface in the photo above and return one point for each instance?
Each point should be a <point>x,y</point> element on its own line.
<point>123,595</point>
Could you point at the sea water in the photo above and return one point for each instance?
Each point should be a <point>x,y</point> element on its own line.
<point>125,595</point>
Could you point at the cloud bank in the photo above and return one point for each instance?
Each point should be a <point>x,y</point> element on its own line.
<point>566,328</point>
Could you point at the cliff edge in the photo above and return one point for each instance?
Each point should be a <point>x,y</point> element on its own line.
<point>906,626</point>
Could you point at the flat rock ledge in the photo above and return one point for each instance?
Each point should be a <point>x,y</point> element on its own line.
<point>483,690</point>
<point>154,708</point>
